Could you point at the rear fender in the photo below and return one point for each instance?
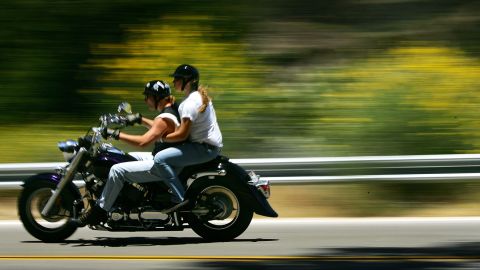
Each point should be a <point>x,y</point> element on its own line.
<point>237,178</point>
<point>249,193</point>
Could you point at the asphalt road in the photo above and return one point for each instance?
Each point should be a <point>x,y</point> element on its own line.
<point>349,243</point>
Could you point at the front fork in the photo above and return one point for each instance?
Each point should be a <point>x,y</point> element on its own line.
<point>67,178</point>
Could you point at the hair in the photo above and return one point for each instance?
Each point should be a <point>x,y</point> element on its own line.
<point>205,98</point>
<point>170,99</point>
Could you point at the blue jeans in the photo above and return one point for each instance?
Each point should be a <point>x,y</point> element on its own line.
<point>133,172</point>
<point>170,162</point>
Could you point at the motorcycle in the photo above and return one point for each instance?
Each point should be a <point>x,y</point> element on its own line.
<point>222,196</point>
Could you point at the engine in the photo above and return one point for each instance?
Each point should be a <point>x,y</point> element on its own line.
<point>139,205</point>
<point>141,214</point>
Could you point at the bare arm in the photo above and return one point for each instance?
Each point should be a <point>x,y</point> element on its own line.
<point>159,127</point>
<point>182,132</point>
<point>147,122</point>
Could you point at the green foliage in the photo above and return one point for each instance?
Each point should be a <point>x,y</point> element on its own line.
<point>303,78</point>
<point>388,104</point>
<point>288,78</point>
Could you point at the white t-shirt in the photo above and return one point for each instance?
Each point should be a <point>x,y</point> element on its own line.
<point>169,116</point>
<point>204,128</point>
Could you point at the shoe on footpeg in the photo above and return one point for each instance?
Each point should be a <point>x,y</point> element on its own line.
<point>92,216</point>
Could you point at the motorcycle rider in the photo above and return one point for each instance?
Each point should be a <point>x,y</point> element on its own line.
<point>198,125</point>
<point>157,97</point>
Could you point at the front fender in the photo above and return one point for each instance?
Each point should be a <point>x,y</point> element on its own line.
<point>53,178</point>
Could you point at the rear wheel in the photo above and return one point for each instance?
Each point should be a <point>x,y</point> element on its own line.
<point>53,228</point>
<point>219,214</point>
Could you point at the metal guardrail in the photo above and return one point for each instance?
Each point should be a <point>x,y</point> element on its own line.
<point>318,169</point>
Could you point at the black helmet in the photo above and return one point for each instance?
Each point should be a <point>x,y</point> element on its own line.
<point>187,73</point>
<point>157,88</point>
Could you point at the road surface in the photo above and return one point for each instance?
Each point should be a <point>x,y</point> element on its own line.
<point>340,243</point>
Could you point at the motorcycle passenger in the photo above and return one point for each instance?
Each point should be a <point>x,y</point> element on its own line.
<point>198,125</point>
<point>157,97</point>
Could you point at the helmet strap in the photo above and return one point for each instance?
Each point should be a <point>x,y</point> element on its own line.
<point>184,83</point>
<point>157,100</point>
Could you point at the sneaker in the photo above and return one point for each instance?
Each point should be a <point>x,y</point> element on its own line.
<point>92,216</point>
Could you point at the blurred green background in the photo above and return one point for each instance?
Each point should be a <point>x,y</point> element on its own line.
<point>288,78</point>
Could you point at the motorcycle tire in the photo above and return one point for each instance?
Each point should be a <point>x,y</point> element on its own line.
<point>30,203</point>
<point>226,199</point>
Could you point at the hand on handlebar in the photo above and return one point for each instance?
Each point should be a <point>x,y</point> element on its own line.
<point>109,132</point>
<point>133,118</point>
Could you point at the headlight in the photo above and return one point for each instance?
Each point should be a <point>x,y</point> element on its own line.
<point>69,149</point>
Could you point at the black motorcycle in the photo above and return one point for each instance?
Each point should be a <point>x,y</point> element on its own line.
<point>222,196</point>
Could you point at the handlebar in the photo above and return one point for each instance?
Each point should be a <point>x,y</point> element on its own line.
<point>107,120</point>
<point>94,135</point>
<point>93,138</point>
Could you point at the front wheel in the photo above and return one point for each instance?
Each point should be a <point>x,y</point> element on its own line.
<point>53,228</point>
<point>219,214</point>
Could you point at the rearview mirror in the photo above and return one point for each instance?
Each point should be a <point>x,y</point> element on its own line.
<point>125,108</point>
